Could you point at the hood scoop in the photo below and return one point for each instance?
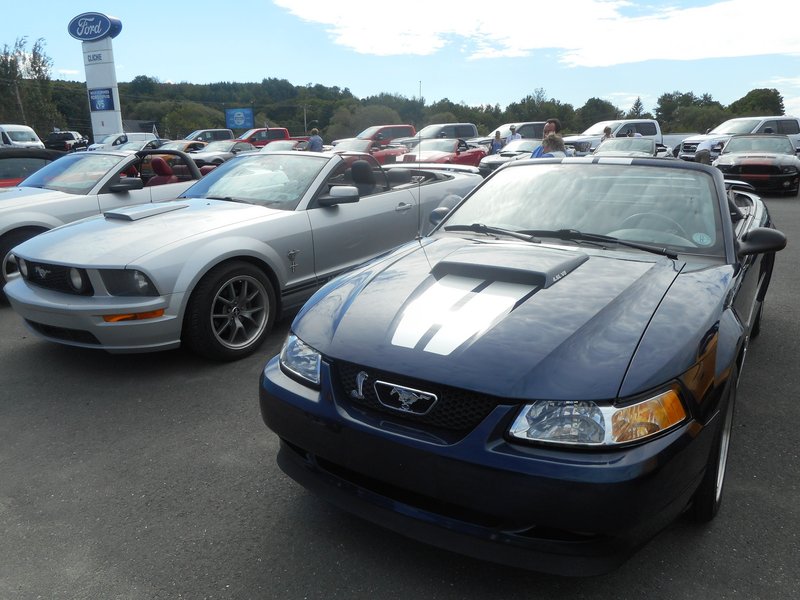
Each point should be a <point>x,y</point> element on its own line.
<point>141,211</point>
<point>537,267</point>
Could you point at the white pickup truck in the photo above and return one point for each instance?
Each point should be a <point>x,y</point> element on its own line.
<point>783,125</point>
<point>586,141</point>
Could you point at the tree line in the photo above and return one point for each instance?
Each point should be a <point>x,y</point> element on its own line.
<point>29,95</point>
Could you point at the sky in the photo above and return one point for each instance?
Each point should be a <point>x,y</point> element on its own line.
<point>473,52</point>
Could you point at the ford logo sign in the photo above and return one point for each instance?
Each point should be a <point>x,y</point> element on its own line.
<point>92,26</point>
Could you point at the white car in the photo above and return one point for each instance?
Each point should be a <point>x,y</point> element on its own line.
<point>79,185</point>
<point>254,238</point>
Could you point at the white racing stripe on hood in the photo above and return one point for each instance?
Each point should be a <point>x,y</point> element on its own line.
<point>435,309</point>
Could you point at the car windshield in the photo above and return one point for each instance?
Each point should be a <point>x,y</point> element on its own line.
<point>355,144</point>
<point>437,145</point>
<point>110,139</point>
<point>369,132</point>
<point>131,146</point>
<point>628,144</point>
<point>665,206</point>
<point>74,174</point>
<point>597,128</point>
<point>264,178</point>
<point>527,145</point>
<point>175,145</point>
<point>766,143</point>
<point>429,131</point>
<point>220,146</point>
<point>735,126</point>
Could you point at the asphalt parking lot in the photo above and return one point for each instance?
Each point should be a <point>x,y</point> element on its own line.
<point>153,476</point>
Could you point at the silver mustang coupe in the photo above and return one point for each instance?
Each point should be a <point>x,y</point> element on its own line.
<point>212,269</point>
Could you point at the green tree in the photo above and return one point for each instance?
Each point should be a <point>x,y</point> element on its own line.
<point>760,101</point>
<point>595,110</point>
<point>637,110</point>
<point>188,116</point>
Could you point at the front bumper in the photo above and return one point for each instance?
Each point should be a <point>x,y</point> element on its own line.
<point>545,509</point>
<point>78,320</point>
<point>772,182</point>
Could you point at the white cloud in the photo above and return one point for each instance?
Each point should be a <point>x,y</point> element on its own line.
<point>586,33</point>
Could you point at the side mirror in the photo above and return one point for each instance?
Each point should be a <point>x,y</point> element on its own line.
<point>438,213</point>
<point>761,239</point>
<point>126,184</point>
<point>339,194</point>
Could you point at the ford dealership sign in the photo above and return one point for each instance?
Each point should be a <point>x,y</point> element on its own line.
<point>92,26</point>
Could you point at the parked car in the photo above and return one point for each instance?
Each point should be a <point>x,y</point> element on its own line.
<point>768,162</point>
<point>216,153</point>
<point>383,134</point>
<point>19,136</point>
<point>383,154</point>
<point>514,150</point>
<point>265,136</point>
<point>66,141</point>
<point>716,138</point>
<point>115,140</point>
<point>527,129</point>
<point>630,146</point>
<point>464,131</point>
<point>17,163</point>
<point>281,145</point>
<point>210,135</point>
<point>182,145</point>
<point>255,237</point>
<point>582,144</point>
<point>546,380</point>
<point>446,151</point>
<point>78,185</point>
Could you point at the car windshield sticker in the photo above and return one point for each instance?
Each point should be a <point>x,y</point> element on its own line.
<point>450,312</point>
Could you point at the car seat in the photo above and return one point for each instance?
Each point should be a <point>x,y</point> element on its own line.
<point>163,172</point>
<point>363,177</point>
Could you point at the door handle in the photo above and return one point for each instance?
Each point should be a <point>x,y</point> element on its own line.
<point>403,207</point>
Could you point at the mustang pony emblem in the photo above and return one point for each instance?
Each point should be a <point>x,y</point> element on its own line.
<point>42,272</point>
<point>404,399</point>
<point>407,398</point>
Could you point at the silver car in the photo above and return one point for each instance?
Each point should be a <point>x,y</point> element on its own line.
<point>80,185</point>
<point>212,269</point>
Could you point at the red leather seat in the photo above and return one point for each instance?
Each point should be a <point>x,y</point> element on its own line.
<point>163,172</point>
<point>206,169</point>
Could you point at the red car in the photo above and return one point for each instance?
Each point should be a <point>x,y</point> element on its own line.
<point>383,154</point>
<point>444,150</point>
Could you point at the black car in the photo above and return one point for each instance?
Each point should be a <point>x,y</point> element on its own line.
<point>67,141</point>
<point>768,162</point>
<point>547,379</point>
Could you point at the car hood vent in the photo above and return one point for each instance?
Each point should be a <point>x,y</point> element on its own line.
<point>512,265</point>
<point>141,211</point>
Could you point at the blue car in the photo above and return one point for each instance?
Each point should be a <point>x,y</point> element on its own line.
<point>547,379</point>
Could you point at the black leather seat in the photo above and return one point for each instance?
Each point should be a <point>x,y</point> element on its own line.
<point>363,177</point>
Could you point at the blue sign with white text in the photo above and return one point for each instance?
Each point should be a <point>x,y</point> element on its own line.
<point>101,99</point>
<point>239,118</point>
<point>92,26</point>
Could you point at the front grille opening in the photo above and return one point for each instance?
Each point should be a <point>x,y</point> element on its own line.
<point>456,410</point>
<point>65,334</point>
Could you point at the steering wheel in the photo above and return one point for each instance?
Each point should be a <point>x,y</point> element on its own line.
<point>658,217</point>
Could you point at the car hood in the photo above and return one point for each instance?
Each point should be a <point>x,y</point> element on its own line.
<point>701,137</point>
<point>427,156</point>
<point>756,157</point>
<point>540,322</point>
<point>120,237</point>
<point>20,197</point>
<point>504,157</point>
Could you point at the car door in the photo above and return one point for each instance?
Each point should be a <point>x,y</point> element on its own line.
<point>346,235</point>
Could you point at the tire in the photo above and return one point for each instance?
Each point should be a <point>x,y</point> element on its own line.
<point>708,497</point>
<point>7,242</point>
<point>230,312</point>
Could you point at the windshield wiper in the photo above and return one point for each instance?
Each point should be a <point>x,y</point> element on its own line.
<point>574,234</point>
<point>228,199</point>
<point>495,231</point>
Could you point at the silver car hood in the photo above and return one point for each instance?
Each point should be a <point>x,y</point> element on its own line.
<point>113,241</point>
<point>20,197</point>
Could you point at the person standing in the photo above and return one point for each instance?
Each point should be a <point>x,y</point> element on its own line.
<point>551,126</point>
<point>497,143</point>
<point>513,135</point>
<point>606,135</point>
<point>315,141</point>
<point>553,146</point>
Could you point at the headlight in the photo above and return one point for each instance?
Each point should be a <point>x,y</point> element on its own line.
<point>127,282</point>
<point>788,169</point>
<point>585,423</point>
<point>300,360</point>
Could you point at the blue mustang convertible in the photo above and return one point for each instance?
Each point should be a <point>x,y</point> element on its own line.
<point>548,378</point>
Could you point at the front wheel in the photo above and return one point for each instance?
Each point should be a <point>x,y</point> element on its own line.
<point>230,312</point>
<point>708,497</point>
